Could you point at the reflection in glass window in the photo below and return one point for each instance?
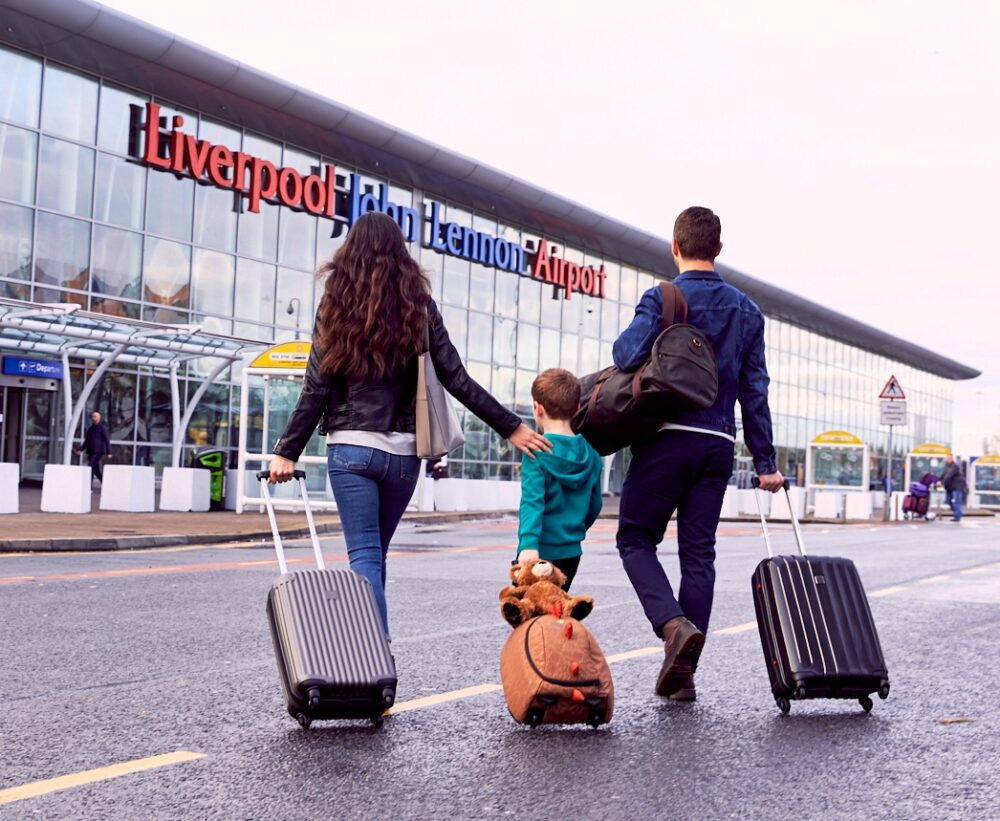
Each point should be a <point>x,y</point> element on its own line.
<point>529,300</point>
<point>166,273</point>
<point>258,234</point>
<point>169,205</point>
<point>609,320</point>
<point>65,177</point>
<point>626,313</point>
<point>504,341</point>
<point>17,163</point>
<point>503,389</point>
<point>117,263</point>
<point>69,104</point>
<point>293,306</point>
<point>254,291</point>
<point>297,242</point>
<point>629,287</point>
<point>115,118</point>
<point>456,322</point>
<point>20,87</point>
<point>506,294</point>
<point>527,347</point>
<point>612,280</point>
<point>121,192</point>
<point>433,266</point>
<point>212,277</point>
<point>591,319</point>
<point>155,410</point>
<point>548,354</point>
<point>215,217</point>
<point>590,357</point>
<point>481,288</point>
<point>61,296</point>
<point>220,134</point>
<point>455,290</point>
<point>62,252</point>
<point>480,337</point>
<point>15,241</point>
<point>551,309</point>
<point>568,355</point>
<point>522,395</point>
<point>165,316</point>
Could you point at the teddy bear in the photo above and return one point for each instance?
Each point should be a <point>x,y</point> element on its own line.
<point>537,589</point>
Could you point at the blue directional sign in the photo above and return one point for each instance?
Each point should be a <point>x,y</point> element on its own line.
<point>39,368</point>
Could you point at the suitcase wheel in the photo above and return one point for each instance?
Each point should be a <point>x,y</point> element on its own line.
<point>800,691</point>
<point>596,718</point>
<point>883,691</point>
<point>314,698</point>
<point>377,720</point>
<point>388,697</point>
<point>784,705</point>
<point>866,703</point>
<point>303,720</point>
<point>534,717</point>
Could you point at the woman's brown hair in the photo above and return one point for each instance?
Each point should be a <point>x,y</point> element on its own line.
<point>373,312</point>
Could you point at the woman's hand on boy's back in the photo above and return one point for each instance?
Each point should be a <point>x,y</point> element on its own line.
<point>528,441</point>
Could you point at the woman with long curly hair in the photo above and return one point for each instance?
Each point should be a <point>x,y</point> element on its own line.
<point>374,319</point>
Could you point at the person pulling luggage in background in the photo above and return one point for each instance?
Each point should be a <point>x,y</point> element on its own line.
<point>686,466</point>
<point>954,486</point>
<point>97,444</point>
<point>360,386</point>
<point>561,490</point>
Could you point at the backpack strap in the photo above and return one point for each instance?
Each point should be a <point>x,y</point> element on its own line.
<point>675,309</point>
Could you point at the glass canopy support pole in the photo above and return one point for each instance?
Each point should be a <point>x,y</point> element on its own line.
<point>81,403</point>
<point>190,408</point>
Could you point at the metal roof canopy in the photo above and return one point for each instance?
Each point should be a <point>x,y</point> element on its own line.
<point>63,330</point>
<point>122,48</point>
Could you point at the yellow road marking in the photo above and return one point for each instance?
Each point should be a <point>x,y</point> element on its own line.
<point>441,698</point>
<point>974,570</point>
<point>935,579</point>
<point>886,591</point>
<point>739,628</point>
<point>634,654</point>
<point>65,782</point>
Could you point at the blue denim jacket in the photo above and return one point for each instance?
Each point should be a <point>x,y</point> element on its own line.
<point>735,327</point>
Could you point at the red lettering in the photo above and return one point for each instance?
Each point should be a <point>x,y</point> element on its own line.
<point>331,194</point>
<point>290,196</point>
<point>313,194</point>
<point>151,150</point>
<point>541,266</point>
<point>601,274</point>
<point>587,280</point>
<point>240,162</point>
<point>197,155</point>
<point>572,278</point>
<point>219,158</point>
<point>177,146</point>
<point>259,188</point>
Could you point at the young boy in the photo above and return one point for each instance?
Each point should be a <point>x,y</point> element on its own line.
<point>561,490</point>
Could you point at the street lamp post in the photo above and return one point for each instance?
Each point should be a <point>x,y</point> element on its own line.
<point>296,310</point>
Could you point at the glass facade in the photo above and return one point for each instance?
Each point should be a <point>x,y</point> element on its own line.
<point>82,221</point>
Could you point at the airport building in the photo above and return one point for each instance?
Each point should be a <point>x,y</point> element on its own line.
<point>154,183</point>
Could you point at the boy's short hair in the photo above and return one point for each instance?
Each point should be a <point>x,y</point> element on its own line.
<point>698,232</point>
<point>558,391</point>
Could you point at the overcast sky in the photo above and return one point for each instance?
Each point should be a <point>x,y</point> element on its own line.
<point>850,148</point>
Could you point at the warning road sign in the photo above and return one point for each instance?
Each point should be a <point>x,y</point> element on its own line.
<point>892,390</point>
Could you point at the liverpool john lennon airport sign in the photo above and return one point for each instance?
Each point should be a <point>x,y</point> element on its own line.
<point>255,179</point>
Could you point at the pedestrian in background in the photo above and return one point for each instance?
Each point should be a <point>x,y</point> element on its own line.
<point>686,467</point>
<point>954,486</point>
<point>375,317</point>
<point>97,444</point>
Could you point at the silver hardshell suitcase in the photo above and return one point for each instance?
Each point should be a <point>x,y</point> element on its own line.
<point>332,654</point>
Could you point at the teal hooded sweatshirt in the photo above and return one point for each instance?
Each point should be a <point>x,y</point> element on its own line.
<point>560,497</point>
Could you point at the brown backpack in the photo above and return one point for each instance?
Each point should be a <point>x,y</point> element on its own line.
<point>553,672</point>
<point>618,408</point>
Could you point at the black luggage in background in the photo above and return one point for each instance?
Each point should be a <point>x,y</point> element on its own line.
<point>332,654</point>
<point>816,627</point>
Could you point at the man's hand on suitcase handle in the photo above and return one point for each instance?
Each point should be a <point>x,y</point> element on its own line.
<point>280,470</point>
<point>772,482</point>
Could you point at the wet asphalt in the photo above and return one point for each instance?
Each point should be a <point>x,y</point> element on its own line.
<point>114,657</point>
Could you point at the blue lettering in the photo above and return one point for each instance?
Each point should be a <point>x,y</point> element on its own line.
<point>516,258</point>
<point>470,244</point>
<point>486,246</point>
<point>409,223</point>
<point>436,243</point>
<point>453,239</point>
<point>502,253</point>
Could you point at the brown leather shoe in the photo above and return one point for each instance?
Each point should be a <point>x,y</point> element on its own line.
<point>682,643</point>
<point>686,691</point>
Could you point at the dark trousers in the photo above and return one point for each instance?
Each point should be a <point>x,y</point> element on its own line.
<point>568,567</point>
<point>97,467</point>
<point>687,473</point>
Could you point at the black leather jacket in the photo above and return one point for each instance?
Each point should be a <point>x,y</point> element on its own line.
<point>386,404</point>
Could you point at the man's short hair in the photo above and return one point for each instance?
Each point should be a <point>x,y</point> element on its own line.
<point>698,232</point>
<point>558,391</point>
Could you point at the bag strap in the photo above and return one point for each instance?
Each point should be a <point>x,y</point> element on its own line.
<point>675,309</point>
<point>559,682</point>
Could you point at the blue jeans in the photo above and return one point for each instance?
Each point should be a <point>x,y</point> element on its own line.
<point>954,499</point>
<point>372,489</point>
<point>687,473</point>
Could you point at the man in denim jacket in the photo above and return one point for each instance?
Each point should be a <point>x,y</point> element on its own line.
<point>687,465</point>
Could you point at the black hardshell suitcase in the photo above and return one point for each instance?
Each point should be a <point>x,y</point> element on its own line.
<point>332,654</point>
<point>816,628</point>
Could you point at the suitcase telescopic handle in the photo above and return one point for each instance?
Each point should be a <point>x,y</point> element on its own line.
<point>755,481</point>
<point>263,476</point>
